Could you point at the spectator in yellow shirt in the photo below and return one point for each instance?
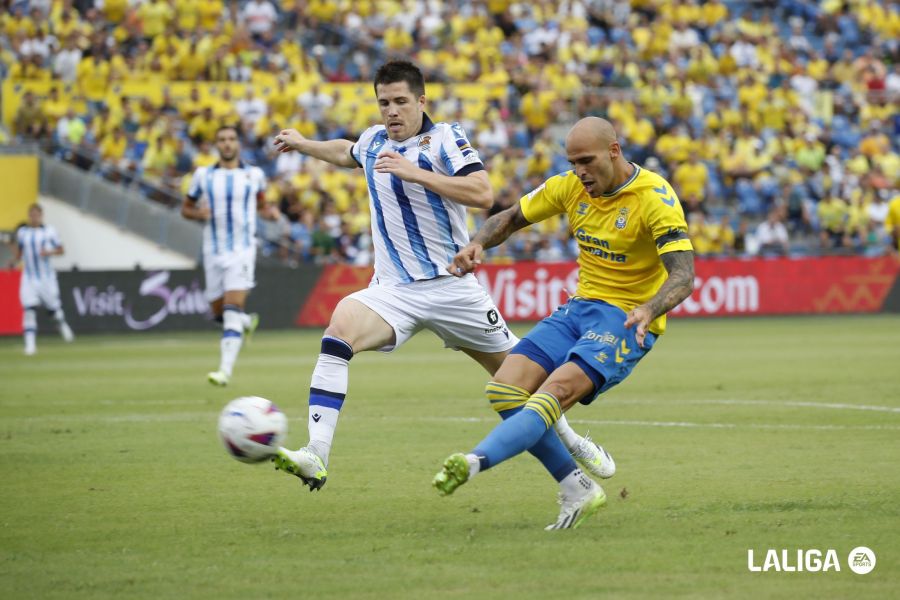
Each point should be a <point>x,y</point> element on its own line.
<point>93,79</point>
<point>536,108</point>
<point>54,107</point>
<point>29,121</point>
<point>159,159</point>
<point>833,213</point>
<point>690,179</point>
<point>205,156</point>
<point>876,143</point>
<point>203,127</point>
<point>155,16</point>
<point>113,146</point>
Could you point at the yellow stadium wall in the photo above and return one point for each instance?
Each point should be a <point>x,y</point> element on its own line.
<point>19,175</point>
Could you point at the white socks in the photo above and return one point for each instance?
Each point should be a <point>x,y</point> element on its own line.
<point>326,394</point>
<point>474,465</point>
<point>576,484</point>
<point>232,337</point>
<point>29,330</point>
<point>566,434</point>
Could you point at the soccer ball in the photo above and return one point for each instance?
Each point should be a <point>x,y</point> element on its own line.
<point>252,428</point>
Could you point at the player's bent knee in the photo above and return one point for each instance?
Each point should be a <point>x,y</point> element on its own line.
<point>503,397</point>
<point>359,326</point>
<point>342,326</point>
<point>522,370</point>
<point>569,390</point>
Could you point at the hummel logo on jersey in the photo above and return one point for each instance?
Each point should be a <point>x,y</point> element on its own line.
<point>316,417</point>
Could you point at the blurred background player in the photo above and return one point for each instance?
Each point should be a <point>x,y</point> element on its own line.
<point>35,244</point>
<point>636,263</point>
<point>231,192</point>
<point>421,177</point>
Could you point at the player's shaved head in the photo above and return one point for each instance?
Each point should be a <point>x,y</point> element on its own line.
<point>593,149</point>
<point>592,131</point>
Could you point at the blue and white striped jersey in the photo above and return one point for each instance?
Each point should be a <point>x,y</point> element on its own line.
<point>33,240</point>
<point>415,231</point>
<point>232,196</point>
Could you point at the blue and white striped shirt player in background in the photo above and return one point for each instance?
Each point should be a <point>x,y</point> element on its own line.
<point>226,197</point>
<point>35,244</point>
<point>421,178</point>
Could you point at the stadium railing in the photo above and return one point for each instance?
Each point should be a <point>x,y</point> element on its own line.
<point>124,206</point>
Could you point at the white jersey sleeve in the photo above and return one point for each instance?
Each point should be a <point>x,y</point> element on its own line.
<point>454,155</point>
<point>52,237</point>
<point>358,150</point>
<point>260,176</point>
<point>196,189</point>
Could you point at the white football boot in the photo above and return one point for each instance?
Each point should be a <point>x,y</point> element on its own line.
<point>593,458</point>
<point>219,378</point>
<point>305,464</point>
<point>574,510</point>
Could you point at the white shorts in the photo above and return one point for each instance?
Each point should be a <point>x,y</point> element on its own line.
<point>458,310</point>
<point>228,272</point>
<point>37,292</point>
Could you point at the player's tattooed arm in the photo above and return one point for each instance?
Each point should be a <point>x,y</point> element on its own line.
<point>679,285</point>
<point>494,232</point>
<point>498,228</point>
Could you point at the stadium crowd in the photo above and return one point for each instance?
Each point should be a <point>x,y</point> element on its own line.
<point>777,122</point>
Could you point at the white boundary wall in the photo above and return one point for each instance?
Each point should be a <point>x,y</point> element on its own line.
<point>94,244</point>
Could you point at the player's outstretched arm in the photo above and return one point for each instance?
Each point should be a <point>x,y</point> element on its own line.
<point>472,190</point>
<point>336,152</point>
<point>678,286</point>
<point>494,232</point>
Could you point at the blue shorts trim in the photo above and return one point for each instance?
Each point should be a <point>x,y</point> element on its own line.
<point>591,334</point>
<point>529,349</point>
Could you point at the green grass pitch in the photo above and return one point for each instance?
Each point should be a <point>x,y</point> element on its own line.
<point>731,435</point>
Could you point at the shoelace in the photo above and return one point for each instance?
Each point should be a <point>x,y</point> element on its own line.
<point>584,444</point>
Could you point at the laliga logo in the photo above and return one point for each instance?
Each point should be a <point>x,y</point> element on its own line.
<point>861,560</point>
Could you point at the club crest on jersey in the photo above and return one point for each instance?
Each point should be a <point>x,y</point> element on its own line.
<point>622,219</point>
<point>425,143</point>
<point>582,208</point>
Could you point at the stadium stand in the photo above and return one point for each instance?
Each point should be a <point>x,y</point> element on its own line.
<point>777,122</point>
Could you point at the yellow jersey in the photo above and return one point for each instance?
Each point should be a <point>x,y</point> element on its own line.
<point>620,235</point>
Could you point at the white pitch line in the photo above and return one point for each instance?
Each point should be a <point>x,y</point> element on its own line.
<point>726,402</point>
<point>826,405</point>
<point>676,424</point>
<point>210,417</point>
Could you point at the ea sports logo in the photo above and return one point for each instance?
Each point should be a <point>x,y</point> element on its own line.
<point>861,560</point>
